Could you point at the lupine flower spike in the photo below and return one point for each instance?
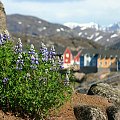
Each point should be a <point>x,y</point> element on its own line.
<point>4,37</point>
<point>18,47</point>
<point>19,63</point>
<point>32,50</point>
<point>33,57</point>
<point>5,80</point>
<point>44,52</point>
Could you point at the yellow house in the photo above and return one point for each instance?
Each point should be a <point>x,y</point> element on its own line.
<point>108,59</point>
<point>106,62</point>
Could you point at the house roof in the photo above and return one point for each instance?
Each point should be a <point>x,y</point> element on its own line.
<point>102,52</point>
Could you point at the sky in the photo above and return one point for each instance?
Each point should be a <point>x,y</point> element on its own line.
<point>103,12</point>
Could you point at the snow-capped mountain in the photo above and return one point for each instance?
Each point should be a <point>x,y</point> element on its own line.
<point>113,27</point>
<point>103,35</point>
<point>73,25</point>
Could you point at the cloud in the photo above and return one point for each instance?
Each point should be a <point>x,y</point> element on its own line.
<point>57,1</point>
<point>100,11</point>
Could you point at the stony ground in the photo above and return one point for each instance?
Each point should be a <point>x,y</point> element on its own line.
<point>65,112</point>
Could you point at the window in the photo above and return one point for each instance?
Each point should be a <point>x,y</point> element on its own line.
<point>67,55</point>
<point>105,63</point>
<point>100,63</point>
<point>94,62</point>
<point>66,60</point>
<point>87,62</point>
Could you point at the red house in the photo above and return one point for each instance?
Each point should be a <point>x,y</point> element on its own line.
<point>67,58</point>
<point>77,58</point>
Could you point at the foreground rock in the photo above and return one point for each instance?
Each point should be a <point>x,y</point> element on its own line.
<point>79,76</point>
<point>2,18</point>
<point>89,113</point>
<point>106,91</point>
<point>113,113</point>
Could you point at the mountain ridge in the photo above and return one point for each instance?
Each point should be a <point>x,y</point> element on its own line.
<point>43,29</point>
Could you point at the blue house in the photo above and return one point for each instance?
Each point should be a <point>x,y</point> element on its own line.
<point>88,61</point>
<point>92,59</point>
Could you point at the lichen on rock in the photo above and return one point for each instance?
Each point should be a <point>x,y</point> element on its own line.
<point>2,18</point>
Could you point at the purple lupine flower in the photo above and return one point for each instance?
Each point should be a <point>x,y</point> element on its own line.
<point>4,37</point>
<point>32,50</point>
<point>52,53</point>
<point>33,57</point>
<point>44,52</point>
<point>60,63</point>
<point>18,47</point>
<point>53,58</point>
<point>5,80</point>
<point>1,39</point>
<point>19,62</point>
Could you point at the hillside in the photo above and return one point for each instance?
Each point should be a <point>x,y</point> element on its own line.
<point>34,30</point>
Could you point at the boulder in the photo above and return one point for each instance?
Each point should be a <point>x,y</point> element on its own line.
<point>2,18</point>
<point>106,91</point>
<point>79,76</point>
<point>86,112</point>
<point>113,113</point>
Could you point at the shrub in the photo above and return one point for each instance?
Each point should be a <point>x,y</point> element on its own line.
<point>30,82</point>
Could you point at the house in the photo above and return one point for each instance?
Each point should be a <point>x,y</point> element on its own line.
<point>67,58</point>
<point>71,58</point>
<point>109,60</point>
<point>77,58</point>
<point>93,60</point>
<point>88,61</point>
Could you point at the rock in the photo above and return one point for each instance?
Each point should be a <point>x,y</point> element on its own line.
<point>86,112</point>
<point>113,113</point>
<point>2,18</point>
<point>106,91</point>
<point>79,76</point>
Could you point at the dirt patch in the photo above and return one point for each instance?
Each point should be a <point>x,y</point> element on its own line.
<point>8,116</point>
<point>66,111</point>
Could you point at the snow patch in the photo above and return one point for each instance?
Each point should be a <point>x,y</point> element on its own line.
<point>96,34</point>
<point>108,40</point>
<point>58,30</point>
<point>83,28</point>
<point>40,22</point>
<point>80,33</point>
<point>98,38</point>
<point>44,28</point>
<point>62,29</point>
<point>40,29</point>
<point>114,35</point>
<point>73,25</point>
<point>85,33</point>
<point>19,23</point>
<point>91,37</point>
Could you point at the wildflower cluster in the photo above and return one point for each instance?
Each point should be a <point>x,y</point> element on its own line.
<point>44,52</point>
<point>4,37</point>
<point>18,47</point>
<point>27,81</point>
<point>33,57</point>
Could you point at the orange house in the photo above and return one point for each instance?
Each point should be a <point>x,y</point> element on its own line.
<point>108,59</point>
<point>106,62</point>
